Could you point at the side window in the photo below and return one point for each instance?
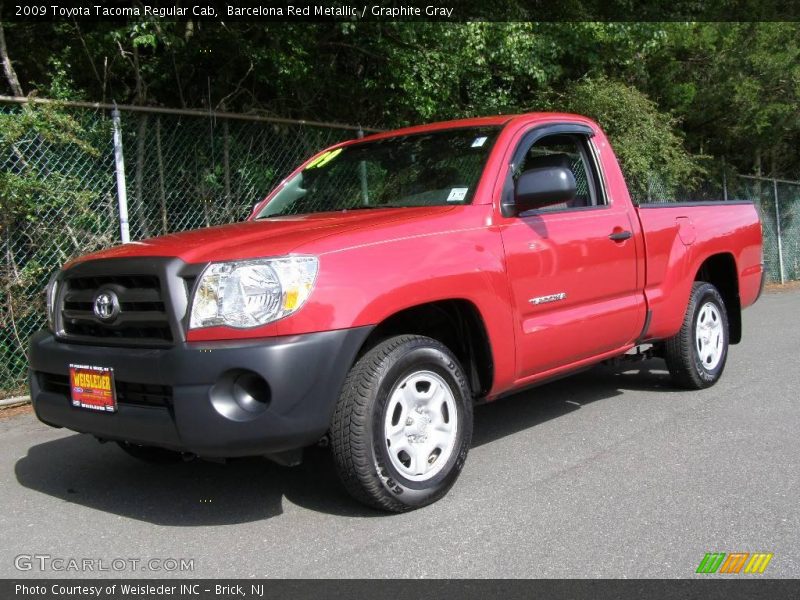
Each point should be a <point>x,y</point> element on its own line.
<point>571,151</point>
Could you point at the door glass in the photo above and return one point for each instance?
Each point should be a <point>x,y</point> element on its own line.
<point>568,151</point>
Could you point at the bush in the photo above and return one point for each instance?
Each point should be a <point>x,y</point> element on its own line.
<point>50,211</point>
<point>646,141</point>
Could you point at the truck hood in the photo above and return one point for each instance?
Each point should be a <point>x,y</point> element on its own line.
<point>275,236</point>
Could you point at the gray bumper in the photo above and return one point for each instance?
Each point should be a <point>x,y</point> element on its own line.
<point>197,408</point>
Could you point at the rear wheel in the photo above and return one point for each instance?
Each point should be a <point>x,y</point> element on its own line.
<point>403,425</point>
<point>696,356</point>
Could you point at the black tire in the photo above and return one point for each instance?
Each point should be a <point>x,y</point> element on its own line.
<point>357,430</point>
<point>151,454</point>
<point>681,352</point>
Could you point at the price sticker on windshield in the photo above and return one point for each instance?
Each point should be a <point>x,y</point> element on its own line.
<point>457,194</point>
<point>479,141</point>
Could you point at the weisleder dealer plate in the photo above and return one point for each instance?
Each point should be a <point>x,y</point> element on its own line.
<point>92,388</point>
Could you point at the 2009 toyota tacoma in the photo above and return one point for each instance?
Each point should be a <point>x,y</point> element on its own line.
<point>386,286</point>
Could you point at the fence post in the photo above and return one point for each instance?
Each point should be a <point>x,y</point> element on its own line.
<point>362,169</point>
<point>119,167</point>
<point>724,180</point>
<point>778,230</point>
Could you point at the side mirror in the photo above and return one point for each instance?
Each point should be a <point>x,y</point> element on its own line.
<point>544,186</point>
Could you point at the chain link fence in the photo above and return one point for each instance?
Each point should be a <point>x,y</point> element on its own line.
<point>183,170</point>
<point>189,172</point>
<point>778,205</point>
<point>59,195</point>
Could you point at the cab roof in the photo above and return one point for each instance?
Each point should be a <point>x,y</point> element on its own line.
<point>490,121</point>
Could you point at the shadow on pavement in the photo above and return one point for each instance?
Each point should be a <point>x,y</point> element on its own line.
<point>537,405</point>
<point>79,470</point>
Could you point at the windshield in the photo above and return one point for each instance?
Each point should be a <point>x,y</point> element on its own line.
<point>430,169</point>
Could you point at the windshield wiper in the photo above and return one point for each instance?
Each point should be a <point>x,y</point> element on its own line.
<point>371,206</point>
<point>360,207</point>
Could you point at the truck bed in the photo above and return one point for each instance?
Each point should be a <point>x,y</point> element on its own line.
<point>678,236</point>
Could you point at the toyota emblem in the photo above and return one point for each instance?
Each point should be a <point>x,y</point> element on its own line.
<point>106,305</point>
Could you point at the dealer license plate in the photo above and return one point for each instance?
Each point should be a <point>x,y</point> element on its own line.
<point>92,388</point>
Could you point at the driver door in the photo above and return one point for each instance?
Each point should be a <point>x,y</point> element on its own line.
<point>571,268</point>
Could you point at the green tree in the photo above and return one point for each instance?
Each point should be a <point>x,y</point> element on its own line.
<point>646,141</point>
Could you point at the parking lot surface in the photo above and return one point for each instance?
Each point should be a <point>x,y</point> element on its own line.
<point>610,473</point>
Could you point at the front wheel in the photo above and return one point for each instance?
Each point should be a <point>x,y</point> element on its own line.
<point>696,355</point>
<point>403,424</point>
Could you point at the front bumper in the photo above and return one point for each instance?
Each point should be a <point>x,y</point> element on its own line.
<point>200,408</point>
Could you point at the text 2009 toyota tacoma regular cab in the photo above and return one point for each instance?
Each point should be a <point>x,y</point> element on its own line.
<point>381,290</point>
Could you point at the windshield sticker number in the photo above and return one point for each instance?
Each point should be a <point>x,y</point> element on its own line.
<point>457,194</point>
<point>323,159</point>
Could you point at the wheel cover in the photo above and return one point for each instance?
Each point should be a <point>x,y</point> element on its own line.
<point>421,425</point>
<point>709,336</point>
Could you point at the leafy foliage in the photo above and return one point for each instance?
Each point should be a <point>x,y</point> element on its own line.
<point>47,214</point>
<point>715,88</point>
<point>719,89</point>
<point>647,142</point>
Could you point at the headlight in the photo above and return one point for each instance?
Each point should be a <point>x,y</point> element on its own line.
<point>252,292</point>
<point>50,300</point>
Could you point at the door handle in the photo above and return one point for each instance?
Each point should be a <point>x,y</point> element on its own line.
<point>620,236</point>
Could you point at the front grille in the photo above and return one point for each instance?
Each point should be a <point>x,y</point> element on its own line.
<point>142,319</point>
<point>139,394</point>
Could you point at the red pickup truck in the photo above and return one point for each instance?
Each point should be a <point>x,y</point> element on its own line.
<point>386,286</point>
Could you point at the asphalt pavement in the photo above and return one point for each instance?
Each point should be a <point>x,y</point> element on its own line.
<point>610,473</point>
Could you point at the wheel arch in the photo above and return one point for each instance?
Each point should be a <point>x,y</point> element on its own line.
<point>720,271</point>
<point>457,323</point>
